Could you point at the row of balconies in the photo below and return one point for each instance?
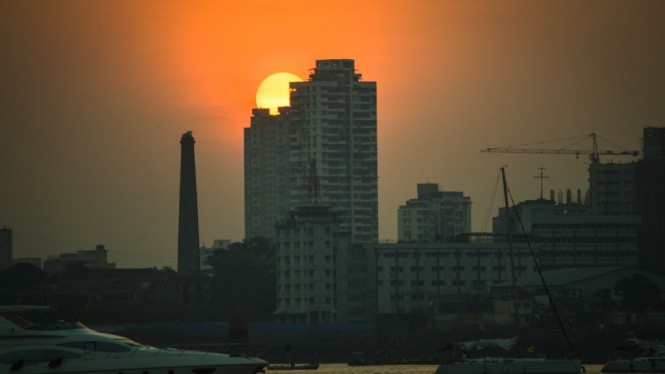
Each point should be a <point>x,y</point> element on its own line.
<point>289,303</point>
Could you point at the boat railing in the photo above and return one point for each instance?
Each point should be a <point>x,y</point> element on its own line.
<point>232,349</point>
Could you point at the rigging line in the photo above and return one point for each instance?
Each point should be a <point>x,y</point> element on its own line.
<point>616,145</point>
<point>491,204</point>
<point>579,138</point>
<point>540,273</point>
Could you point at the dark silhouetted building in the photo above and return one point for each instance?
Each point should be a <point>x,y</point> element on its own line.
<point>650,197</point>
<point>188,222</point>
<point>5,248</point>
<point>266,173</point>
<point>92,259</point>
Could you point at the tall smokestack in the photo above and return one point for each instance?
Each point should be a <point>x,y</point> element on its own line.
<point>188,222</point>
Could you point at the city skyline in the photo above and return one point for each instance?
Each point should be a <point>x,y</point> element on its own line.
<point>95,96</point>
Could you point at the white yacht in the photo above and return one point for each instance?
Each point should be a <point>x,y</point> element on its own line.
<point>640,364</point>
<point>507,365</point>
<point>69,348</point>
<point>499,365</point>
<point>647,357</point>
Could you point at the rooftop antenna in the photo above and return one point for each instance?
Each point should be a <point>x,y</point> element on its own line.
<point>541,177</point>
<point>312,184</point>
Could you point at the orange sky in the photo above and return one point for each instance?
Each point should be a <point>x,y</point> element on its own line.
<point>95,96</point>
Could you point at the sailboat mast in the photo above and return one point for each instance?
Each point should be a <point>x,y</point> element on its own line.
<point>512,266</point>
<point>509,238</point>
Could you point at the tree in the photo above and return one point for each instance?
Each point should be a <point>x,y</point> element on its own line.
<point>21,284</point>
<point>639,293</point>
<point>244,282</point>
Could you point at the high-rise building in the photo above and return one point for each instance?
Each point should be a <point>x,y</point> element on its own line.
<point>266,173</point>
<point>612,188</point>
<point>188,222</point>
<point>650,197</point>
<point>653,141</point>
<point>331,123</point>
<point>6,248</point>
<point>434,216</point>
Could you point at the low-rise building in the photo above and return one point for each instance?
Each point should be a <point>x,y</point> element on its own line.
<point>434,216</point>
<point>95,259</point>
<point>205,253</point>
<point>311,267</point>
<point>409,276</point>
<point>570,235</point>
<point>34,261</point>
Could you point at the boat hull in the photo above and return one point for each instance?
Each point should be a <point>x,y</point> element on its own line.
<point>512,366</point>
<point>635,365</point>
<point>293,367</point>
<point>73,348</point>
<point>121,366</point>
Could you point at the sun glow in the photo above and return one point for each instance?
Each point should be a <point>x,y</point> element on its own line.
<point>273,92</point>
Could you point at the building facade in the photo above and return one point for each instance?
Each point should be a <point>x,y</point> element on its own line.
<point>335,125</point>
<point>612,188</point>
<point>331,124</point>
<point>650,187</point>
<point>434,216</point>
<point>311,271</point>
<point>266,172</point>
<point>570,235</point>
<point>410,276</point>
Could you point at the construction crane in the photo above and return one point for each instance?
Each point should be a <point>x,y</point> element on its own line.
<point>594,153</point>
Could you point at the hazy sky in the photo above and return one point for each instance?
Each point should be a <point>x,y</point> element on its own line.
<point>96,94</point>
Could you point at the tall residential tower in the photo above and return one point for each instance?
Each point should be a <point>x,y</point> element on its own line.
<point>266,173</point>
<point>331,123</point>
<point>650,196</point>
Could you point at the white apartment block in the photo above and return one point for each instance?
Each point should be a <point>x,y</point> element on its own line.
<point>434,216</point>
<point>311,272</point>
<point>411,276</point>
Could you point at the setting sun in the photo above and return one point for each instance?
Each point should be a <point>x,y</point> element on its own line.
<point>273,92</point>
